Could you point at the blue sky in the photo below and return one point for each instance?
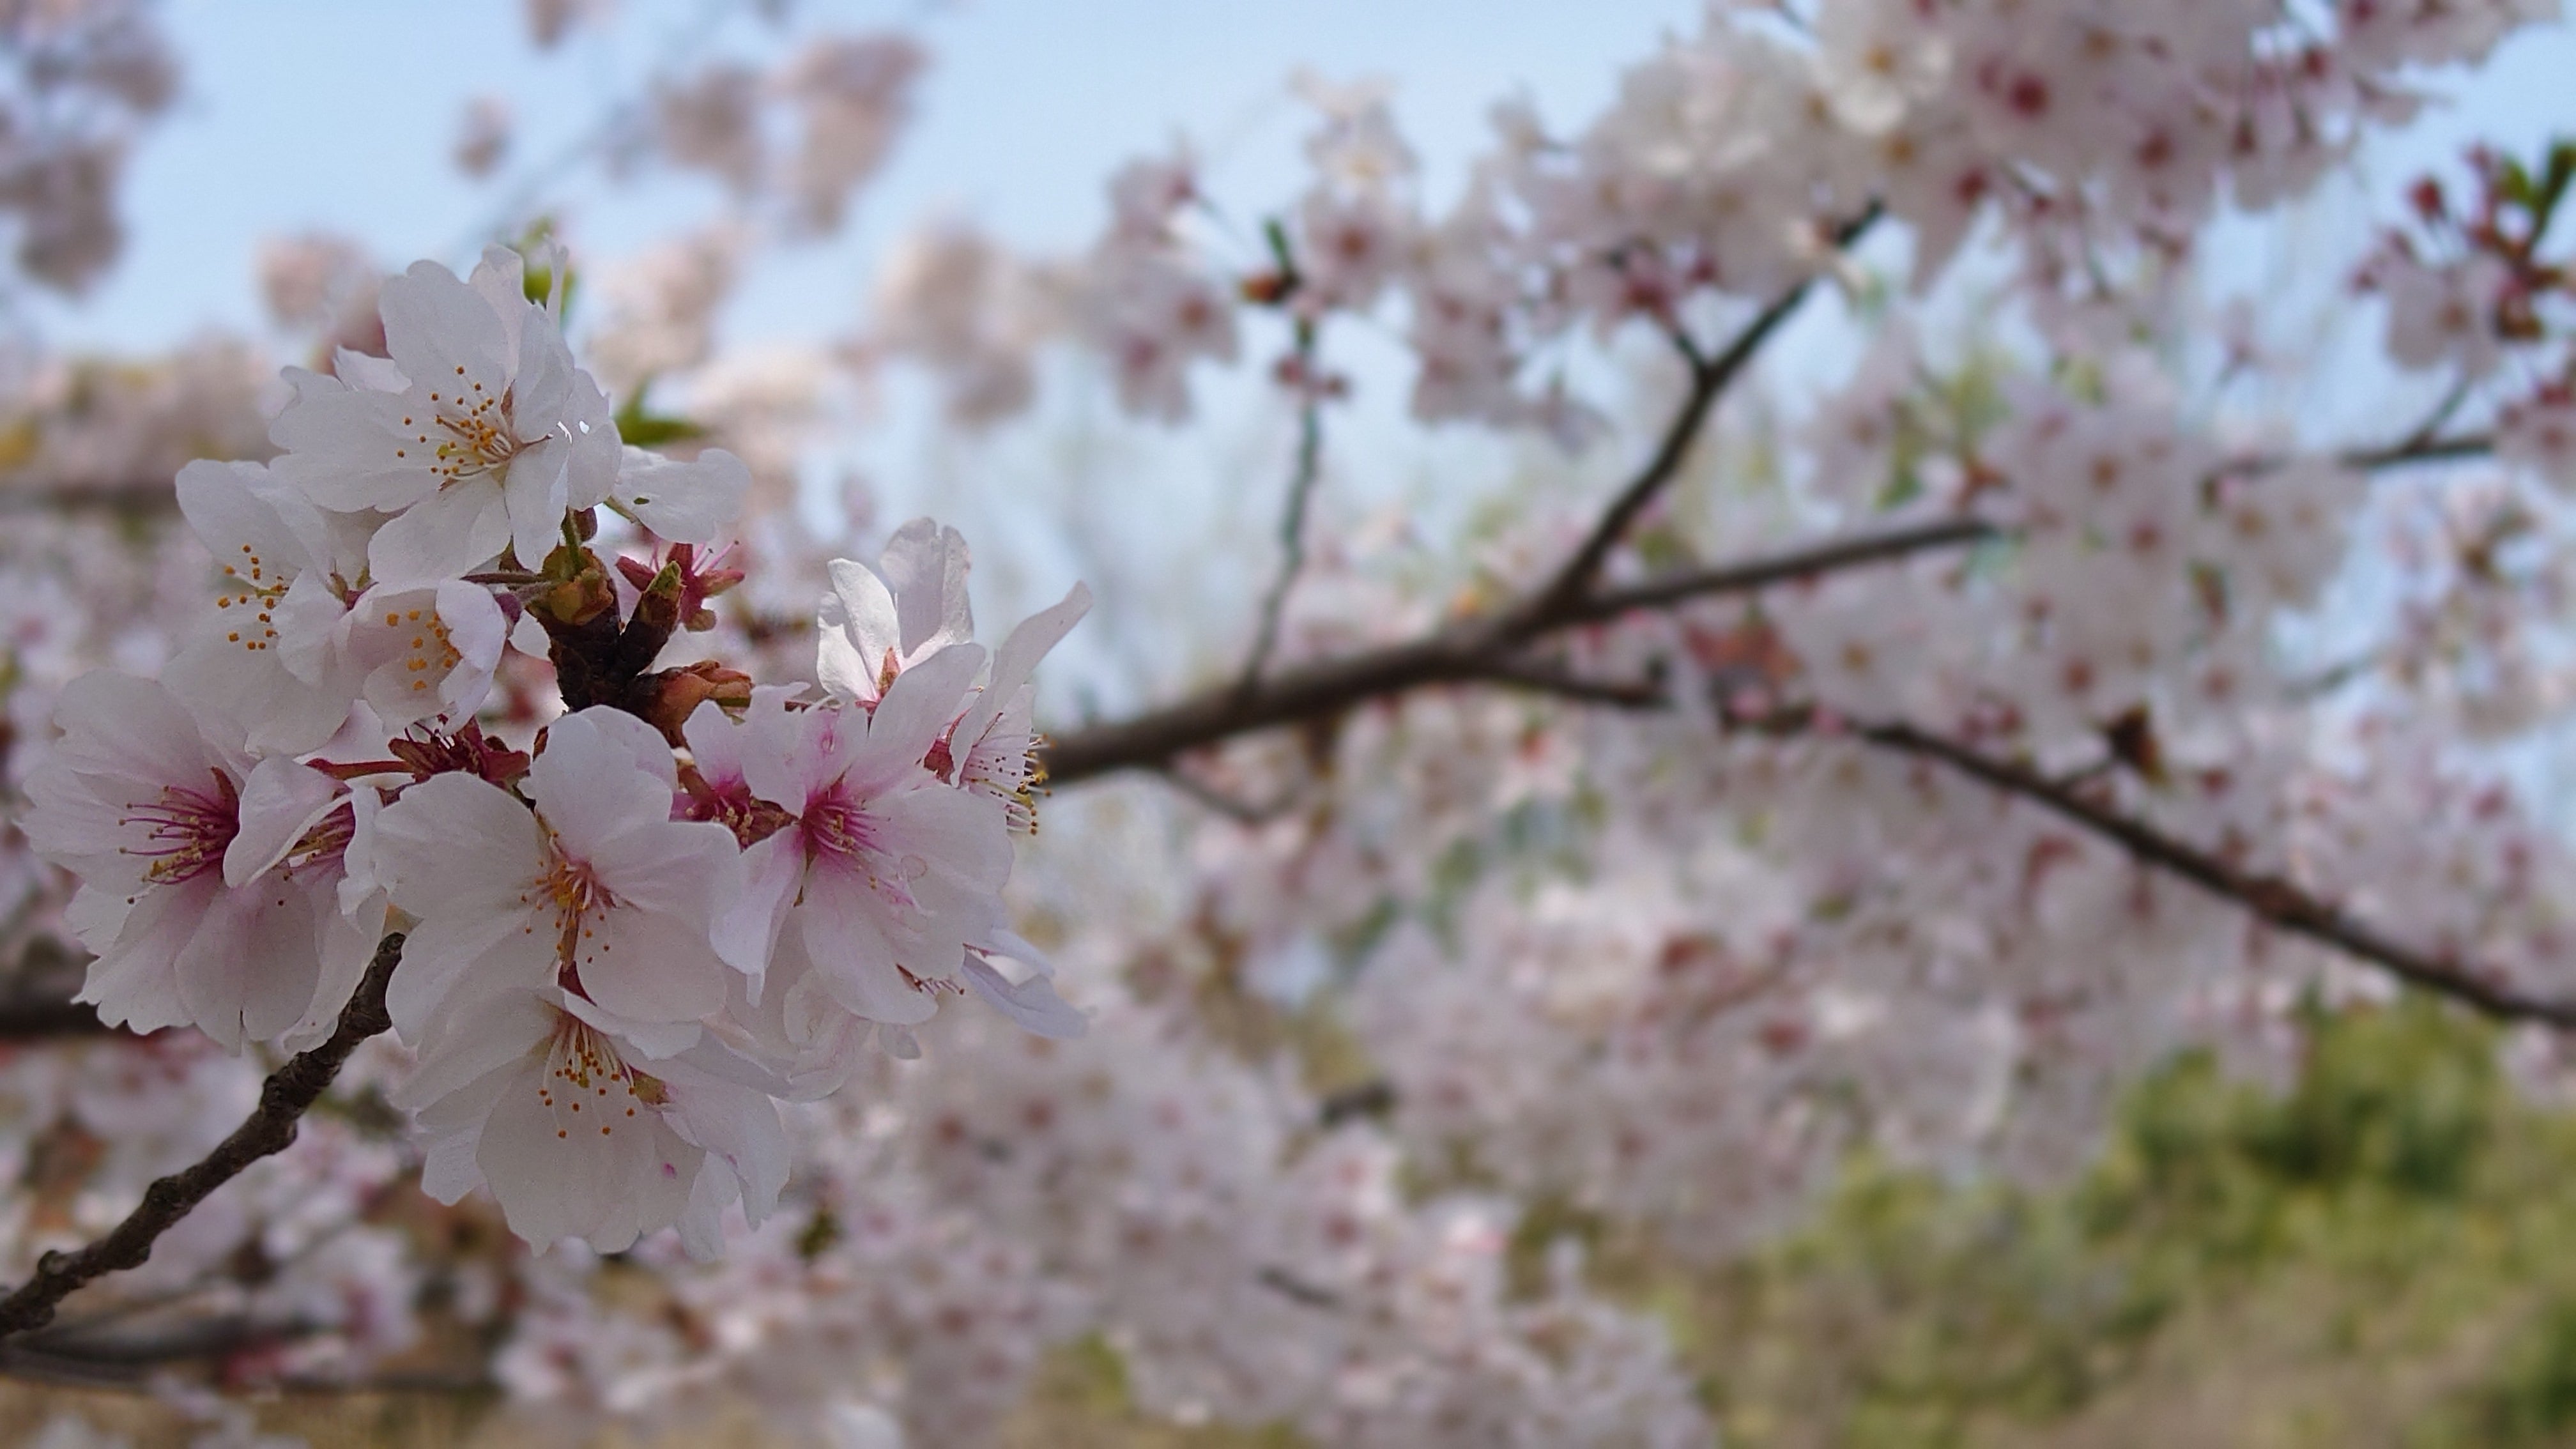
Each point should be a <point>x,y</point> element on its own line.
<point>338,115</point>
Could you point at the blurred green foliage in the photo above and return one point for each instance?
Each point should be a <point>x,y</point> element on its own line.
<point>2375,1256</point>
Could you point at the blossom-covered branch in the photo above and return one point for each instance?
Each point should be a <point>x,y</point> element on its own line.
<point>2273,900</point>
<point>1710,375</point>
<point>288,1094</point>
<point>1485,649</point>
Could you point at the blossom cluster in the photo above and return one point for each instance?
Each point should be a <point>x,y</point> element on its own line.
<point>686,899</point>
<point>1731,166</point>
<point>1652,972</point>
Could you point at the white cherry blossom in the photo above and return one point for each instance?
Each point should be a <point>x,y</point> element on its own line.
<point>580,1132</point>
<point>882,875</point>
<point>210,886</point>
<point>596,890</point>
<point>479,437</point>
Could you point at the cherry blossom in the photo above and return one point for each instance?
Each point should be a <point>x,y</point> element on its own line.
<point>479,437</point>
<point>581,1131</point>
<point>596,889</point>
<point>1891,748</point>
<point>210,886</point>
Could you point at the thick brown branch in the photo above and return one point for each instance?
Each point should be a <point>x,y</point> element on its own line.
<point>141,497</point>
<point>109,1360</point>
<point>1473,651</point>
<point>1550,679</point>
<point>2420,450</point>
<point>289,1092</point>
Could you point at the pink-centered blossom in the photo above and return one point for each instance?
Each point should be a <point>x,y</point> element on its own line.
<point>596,890</point>
<point>582,1130</point>
<point>857,857</point>
<point>211,887</point>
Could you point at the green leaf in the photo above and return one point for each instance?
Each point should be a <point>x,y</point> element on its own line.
<point>641,429</point>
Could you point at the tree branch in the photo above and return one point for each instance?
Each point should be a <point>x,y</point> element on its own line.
<point>2274,901</point>
<point>289,1092</point>
<point>140,497</point>
<point>114,1360</point>
<point>2271,899</point>
<point>1241,812</point>
<point>2419,450</point>
<point>1485,650</point>
<point>1473,651</point>
<point>1292,526</point>
<point>1537,677</point>
<point>1709,379</point>
<point>33,1018</point>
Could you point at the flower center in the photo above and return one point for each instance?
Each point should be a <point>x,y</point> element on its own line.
<point>1014,776</point>
<point>840,830</point>
<point>579,900</point>
<point>251,586</point>
<point>588,1086</point>
<point>733,806</point>
<point>325,844</point>
<point>467,434</point>
<point>428,654</point>
<point>185,831</point>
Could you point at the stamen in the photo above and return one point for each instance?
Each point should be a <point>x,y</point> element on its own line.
<point>185,832</point>
<point>583,1068</point>
<point>840,830</point>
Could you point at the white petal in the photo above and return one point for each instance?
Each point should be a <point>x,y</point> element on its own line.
<point>1018,658</point>
<point>692,502</point>
<point>444,536</point>
<point>858,632</point>
<point>435,324</point>
<point>534,490</point>
<point>925,566</point>
<point>279,802</point>
<point>1032,1003</point>
<point>917,710</point>
<point>454,842</point>
<point>649,966</point>
<point>589,785</point>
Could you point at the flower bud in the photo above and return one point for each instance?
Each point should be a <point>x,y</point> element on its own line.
<point>675,694</point>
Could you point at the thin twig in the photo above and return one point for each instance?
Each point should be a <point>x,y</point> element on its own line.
<point>2420,450</point>
<point>1297,1290</point>
<point>2274,901</point>
<point>1709,379</point>
<point>289,1092</point>
<point>2439,418</point>
<point>1292,523</point>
